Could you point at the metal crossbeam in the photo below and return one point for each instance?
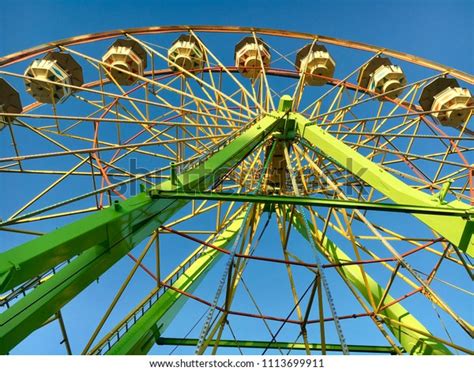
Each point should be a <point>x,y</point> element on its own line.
<point>311,201</point>
<point>259,344</point>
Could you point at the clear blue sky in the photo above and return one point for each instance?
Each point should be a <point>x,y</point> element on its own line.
<point>434,29</point>
<point>437,30</point>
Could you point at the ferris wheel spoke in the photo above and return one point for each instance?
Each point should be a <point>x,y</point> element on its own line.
<point>31,216</point>
<point>166,87</point>
<point>193,76</point>
<point>214,125</point>
<point>202,208</point>
<point>120,292</point>
<point>406,100</point>
<point>268,103</point>
<point>284,230</point>
<point>145,128</point>
<point>122,90</point>
<point>449,151</point>
<point>411,165</point>
<point>316,102</point>
<point>410,156</point>
<point>417,289</point>
<point>165,142</point>
<point>307,229</point>
<point>250,224</point>
<point>227,113</point>
<point>259,310</point>
<point>119,97</point>
<point>411,123</point>
<point>234,277</point>
<point>218,86</point>
<point>15,145</point>
<point>171,282</point>
<point>300,85</point>
<point>221,65</point>
<point>354,290</point>
<point>354,244</point>
<point>102,143</point>
<point>66,150</point>
<point>201,108</point>
<point>215,117</point>
<point>371,98</point>
<point>78,120</point>
<point>103,148</point>
<point>153,136</point>
<point>48,189</point>
<point>334,106</point>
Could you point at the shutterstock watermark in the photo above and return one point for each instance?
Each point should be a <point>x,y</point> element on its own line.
<point>331,179</point>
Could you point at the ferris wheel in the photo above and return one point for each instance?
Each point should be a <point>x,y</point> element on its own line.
<point>226,190</point>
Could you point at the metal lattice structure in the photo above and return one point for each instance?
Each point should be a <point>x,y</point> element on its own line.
<point>119,147</point>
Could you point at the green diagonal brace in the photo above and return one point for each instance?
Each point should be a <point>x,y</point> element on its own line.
<point>312,201</point>
<point>142,335</point>
<point>103,238</point>
<point>112,225</point>
<point>458,231</point>
<point>412,342</point>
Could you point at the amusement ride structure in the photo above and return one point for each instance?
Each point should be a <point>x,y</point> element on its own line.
<point>231,189</point>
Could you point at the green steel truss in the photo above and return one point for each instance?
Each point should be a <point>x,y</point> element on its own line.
<point>458,231</point>
<point>98,241</point>
<point>145,331</point>
<point>411,341</point>
<point>129,221</point>
<point>103,238</point>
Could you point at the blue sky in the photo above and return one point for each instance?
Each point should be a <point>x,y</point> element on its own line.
<point>433,29</point>
<point>436,30</point>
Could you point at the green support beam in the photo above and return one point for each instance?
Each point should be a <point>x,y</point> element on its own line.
<point>412,342</point>
<point>103,238</point>
<point>311,201</point>
<point>260,344</point>
<point>458,231</point>
<point>141,336</point>
<point>110,226</point>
